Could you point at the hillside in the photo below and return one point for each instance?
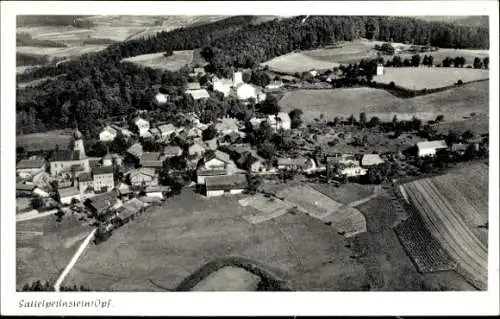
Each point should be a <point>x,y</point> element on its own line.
<point>475,21</point>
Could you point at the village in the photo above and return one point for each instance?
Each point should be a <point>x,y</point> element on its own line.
<point>217,159</point>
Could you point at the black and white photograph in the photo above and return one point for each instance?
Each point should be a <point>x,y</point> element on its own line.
<point>252,152</point>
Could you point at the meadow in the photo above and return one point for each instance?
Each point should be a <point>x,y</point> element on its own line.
<point>429,78</point>
<point>159,61</point>
<point>297,62</point>
<point>454,104</point>
<point>44,141</point>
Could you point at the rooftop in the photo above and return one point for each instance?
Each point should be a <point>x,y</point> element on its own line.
<point>65,155</point>
<point>171,150</point>
<point>226,181</point>
<point>103,170</point>
<point>25,187</point>
<point>135,149</point>
<point>30,163</point>
<point>224,157</point>
<point>142,171</point>
<point>432,144</point>
<point>70,191</point>
<point>371,159</point>
<point>85,177</point>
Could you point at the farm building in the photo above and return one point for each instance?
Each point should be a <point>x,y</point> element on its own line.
<point>85,182</point>
<point>228,184</point>
<point>246,91</point>
<point>343,165</point>
<point>193,86</point>
<point>223,85</point>
<point>124,190</point>
<point>68,194</point>
<point>27,168</point>
<point>226,126</point>
<point>143,177</point>
<point>160,99</point>
<point>142,126</point>
<point>172,151</point>
<point>302,164</point>
<point>135,151</point>
<point>280,121</point>
<point>157,191</point>
<point>274,85</point>
<point>237,78</point>
<point>429,148</point>
<point>458,148</point>
<point>153,160</point>
<point>103,178</point>
<point>198,94</point>
<point>371,160</point>
<point>108,134</point>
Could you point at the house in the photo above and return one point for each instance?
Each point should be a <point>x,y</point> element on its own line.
<point>126,133</point>
<point>157,191</point>
<point>143,177</point>
<point>153,160</point>
<point>237,78</point>
<point>226,126</point>
<point>280,121</point>
<point>380,69</point>
<point>103,179</point>
<point>28,168</point>
<point>124,190</point>
<point>160,99</point>
<point>68,194</point>
<point>228,184</point>
<point>23,190</point>
<point>85,182</point>
<point>301,164</point>
<point>198,94</point>
<point>217,159</point>
<point>135,151</point>
<point>142,126</point>
<point>274,85</point>
<point>196,150</point>
<point>228,139</point>
<point>197,72</point>
<point>371,160</point>
<point>288,79</point>
<point>108,134</point>
<point>40,192</point>
<point>130,209</point>
<point>166,131</point>
<point>95,162</point>
<point>211,145</point>
<point>253,163</point>
<point>172,151</point>
<point>99,205</point>
<point>429,148</point>
<point>222,85</point>
<point>194,132</point>
<point>155,133</point>
<point>246,91</point>
<point>107,160</point>
<point>313,73</point>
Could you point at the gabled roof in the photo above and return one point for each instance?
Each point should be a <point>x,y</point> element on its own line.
<point>102,170</point>
<point>432,145</point>
<point>30,163</point>
<point>226,182</point>
<point>139,119</point>
<point>25,187</point>
<point>171,150</point>
<point>109,129</point>
<point>103,201</point>
<point>292,161</point>
<point>136,150</point>
<point>371,159</point>
<point>142,171</point>
<point>224,157</point>
<point>227,124</point>
<point>198,94</point>
<point>65,155</point>
<point>70,191</point>
<point>193,86</point>
<point>154,189</point>
<point>150,156</point>
<point>167,128</point>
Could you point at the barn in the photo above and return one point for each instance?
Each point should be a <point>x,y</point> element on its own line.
<point>226,184</point>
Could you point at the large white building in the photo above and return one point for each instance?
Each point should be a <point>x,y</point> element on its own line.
<point>142,126</point>
<point>429,148</point>
<point>108,134</point>
<point>280,121</point>
<point>227,184</point>
<point>223,85</point>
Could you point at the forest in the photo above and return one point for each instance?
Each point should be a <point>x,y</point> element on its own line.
<point>97,86</point>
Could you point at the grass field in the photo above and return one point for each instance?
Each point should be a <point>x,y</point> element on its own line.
<point>69,52</point>
<point>297,62</point>
<point>158,61</point>
<point>44,255</point>
<point>345,193</point>
<point>429,78</point>
<point>452,206</point>
<point>454,104</point>
<point>44,141</point>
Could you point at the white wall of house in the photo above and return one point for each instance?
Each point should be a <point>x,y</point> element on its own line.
<point>214,163</point>
<point>353,171</point>
<point>107,136</point>
<point>426,152</point>
<point>213,193</point>
<point>29,172</point>
<point>237,191</point>
<point>155,194</point>
<point>142,126</point>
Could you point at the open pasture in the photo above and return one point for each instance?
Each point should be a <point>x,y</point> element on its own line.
<point>345,193</point>
<point>159,61</point>
<point>451,214</point>
<point>266,208</point>
<point>297,62</point>
<point>44,247</point>
<point>429,78</point>
<point>454,104</point>
<point>67,52</point>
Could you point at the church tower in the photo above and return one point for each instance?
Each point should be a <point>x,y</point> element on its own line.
<point>78,143</point>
